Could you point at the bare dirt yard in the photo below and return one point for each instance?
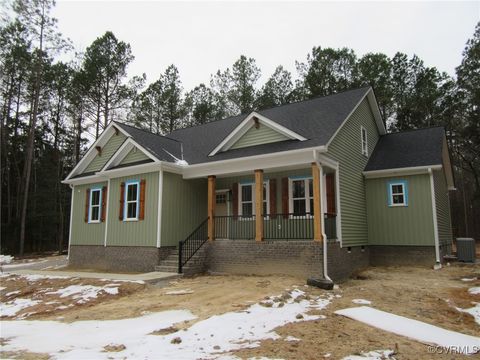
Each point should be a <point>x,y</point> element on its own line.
<point>434,297</point>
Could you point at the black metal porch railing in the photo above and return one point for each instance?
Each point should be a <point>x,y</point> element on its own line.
<point>188,247</point>
<point>275,227</point>
<point>235,227</point>
<point>288,226</point>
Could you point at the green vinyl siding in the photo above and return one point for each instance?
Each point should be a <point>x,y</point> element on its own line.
<point>400,225</point>
<point>135,155</point>
<point>442,203</point>
<point>85,233</point>
<point>346,148</point>
<point>133,233</point>
<point>108,150</point>
<point>262,135</point>
<point>184,207</point>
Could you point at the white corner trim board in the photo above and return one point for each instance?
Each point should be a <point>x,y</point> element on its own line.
<point>413,329</point>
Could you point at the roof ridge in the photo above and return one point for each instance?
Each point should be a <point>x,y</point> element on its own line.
<point>145,131</point>
<point>276,106</point>
<point>412,130</point>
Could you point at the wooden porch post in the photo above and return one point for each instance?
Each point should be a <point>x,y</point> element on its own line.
<point>259,205</point>
<point>317,209</point>
<point>211,208</point>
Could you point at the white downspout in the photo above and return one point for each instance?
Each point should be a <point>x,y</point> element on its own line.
<point>71,219</point>
<point>324,236</point>
<point>438,264</point>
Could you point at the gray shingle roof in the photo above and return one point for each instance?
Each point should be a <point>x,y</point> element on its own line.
<point>316,119</point>
<point>158,145</point>
<point>408,149</point>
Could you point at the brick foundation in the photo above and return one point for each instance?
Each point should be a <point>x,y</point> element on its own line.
<point>117,258</point>
<point>406,255</point>
<point>298,258</point>
<point>342,262</point>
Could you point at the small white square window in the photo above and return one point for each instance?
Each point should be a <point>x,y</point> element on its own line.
<point>397,193</point>
<point>301,197</point>
<point>247,199</point>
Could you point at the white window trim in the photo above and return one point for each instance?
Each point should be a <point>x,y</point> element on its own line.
<point>364,143</point>
<point>267,199</point>
<point>125,205</point>
<point>392,204</point>
<point>90,206</point>
<point>307,195</point>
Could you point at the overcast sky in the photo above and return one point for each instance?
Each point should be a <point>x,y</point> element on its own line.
<point>202,37</point>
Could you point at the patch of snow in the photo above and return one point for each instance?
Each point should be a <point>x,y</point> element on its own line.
<point>291,338</point>
<point>14,266</point>
<point>361,301</point>
<point>179,292</point>
<point>204,339</point>
<point>11,308</point>
<point>6,259</point>
<point>469,279</point>
<point>474,290</point>
<point>84,292</point>
<point>413,329</point>
<point>2,288</point>
<point>36,277</point>
<point>372,355</point>
<point>474,311</point>
<point>12,293</point>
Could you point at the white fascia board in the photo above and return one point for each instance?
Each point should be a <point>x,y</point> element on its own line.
<point>90,154</point>
<point>265,161</point>
<point>245,125</point>
<point>414,170</point>
<point>131,170</point>
<point>85,180</point>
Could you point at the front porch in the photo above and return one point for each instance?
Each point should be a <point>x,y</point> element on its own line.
<point>272,205</point>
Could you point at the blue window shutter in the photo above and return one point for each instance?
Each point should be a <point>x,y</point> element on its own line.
<point>389,193</point>
<point>405,189</point>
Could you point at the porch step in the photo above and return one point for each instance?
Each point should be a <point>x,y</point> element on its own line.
<point>170,264</point>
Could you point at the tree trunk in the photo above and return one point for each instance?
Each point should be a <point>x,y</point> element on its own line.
<point>31,138</point>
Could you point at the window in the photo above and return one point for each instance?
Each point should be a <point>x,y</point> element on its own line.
<point>301,195</point>
<point>132,190</point>
<point>247,199</point>
<point>364,141</point>
<point>221,198</point>
<point>397,193</point>
<point>95,206</point>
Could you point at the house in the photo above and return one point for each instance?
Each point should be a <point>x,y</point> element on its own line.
<point>243,194</point>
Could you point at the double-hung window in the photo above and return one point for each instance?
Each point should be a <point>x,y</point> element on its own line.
<point>363,133</point>
<point>132,199</point>
<point>397,193</point>
<point>247,199</point>
<point>301,196</point>
<point>95,205</point>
